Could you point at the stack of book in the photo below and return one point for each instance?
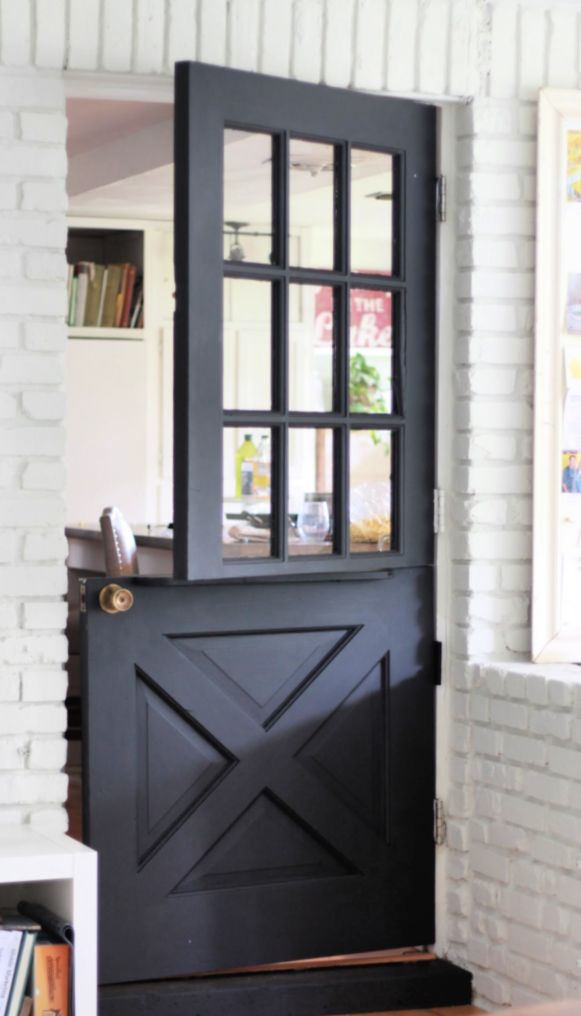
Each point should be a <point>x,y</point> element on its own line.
<point>105,296</point>
<point>35,963</point>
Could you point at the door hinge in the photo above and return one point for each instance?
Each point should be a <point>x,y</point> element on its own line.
<point>437,663</point>
<point>441,198</point>
<point>439,822</point>
<point>83,596</point>
<point>439,511</point>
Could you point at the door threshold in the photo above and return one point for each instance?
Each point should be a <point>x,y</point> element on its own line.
<point>411,954</point>
<point>377,988</point>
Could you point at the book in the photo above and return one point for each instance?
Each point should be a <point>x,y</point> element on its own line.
<point>21,974</point>
<point>128,296</point>
<point>72,301</point>
<point>51,978</point>
<point>59,932</point>
<point>10,942</point>
<point>120,303</point>
<point>109,306</point>
<point>82,271</point>
<point>13,920</point>
<point>94,294</point>
<point>102,296</point>
<point>137,304</point>
<point>26,1008</point>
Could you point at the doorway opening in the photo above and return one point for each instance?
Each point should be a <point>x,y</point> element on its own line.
<point>120,216</point>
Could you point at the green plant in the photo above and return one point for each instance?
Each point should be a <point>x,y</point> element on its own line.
<point>365,390</point>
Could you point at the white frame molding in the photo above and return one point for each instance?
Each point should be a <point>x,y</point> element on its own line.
<point>552,640</point>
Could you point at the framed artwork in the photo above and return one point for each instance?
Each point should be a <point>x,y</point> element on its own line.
<point>557,471</point>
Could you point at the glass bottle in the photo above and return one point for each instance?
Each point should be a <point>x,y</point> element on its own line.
<point>245,456</point>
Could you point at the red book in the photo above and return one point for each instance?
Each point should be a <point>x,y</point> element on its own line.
<point>128,295</point>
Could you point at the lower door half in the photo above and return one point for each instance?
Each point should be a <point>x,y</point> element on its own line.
<point>259,771</point>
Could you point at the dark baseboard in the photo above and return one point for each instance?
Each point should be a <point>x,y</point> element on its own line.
<point>298,993</point>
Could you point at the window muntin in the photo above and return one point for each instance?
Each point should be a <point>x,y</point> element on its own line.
<point>333,335</point>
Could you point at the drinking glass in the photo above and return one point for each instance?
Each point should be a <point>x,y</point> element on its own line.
<point>313,521</point>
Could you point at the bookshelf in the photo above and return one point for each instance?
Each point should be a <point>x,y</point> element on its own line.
<point>50,868</point>
<point>105,248</point>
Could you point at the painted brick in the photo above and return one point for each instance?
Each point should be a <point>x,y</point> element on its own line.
<point>524,813</point>
<point>47,685</point>
<point>307,39</point>
<point>36,441</point>
<point>275,51</point>
<point>44,580</point>
<point>149,36</point>
<point>243,33</point>
<point>83,38</point>
<point>49,41</point>
<point>369,57</point>
<point>41,196</point>
<point>463,63</point>
<point>118,34</point>
<point>491,863</point>
<point>525,750</point>
<point>533,27</point>
<point>45,265</point>
<point>47,753</point>
<point>509,714</point>
<point>50,545</point>
<point>433,47</point>
<point>45,615</point>
<point>41,405</point>
<point>44,476</point>
<point>212,37</point>
<point>50,127</point>
<point>16,40</point>
<point>45,336</point>
<point>401,54</point>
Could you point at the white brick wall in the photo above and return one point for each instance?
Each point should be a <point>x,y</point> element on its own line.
<point>513,906</point>
<point>32,547</point>
<point>514,830</point>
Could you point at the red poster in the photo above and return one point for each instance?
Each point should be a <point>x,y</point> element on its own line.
<point>370,318</point>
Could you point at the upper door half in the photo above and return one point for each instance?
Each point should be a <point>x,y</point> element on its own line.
<point>304,366</point>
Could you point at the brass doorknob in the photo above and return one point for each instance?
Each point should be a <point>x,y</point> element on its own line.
<point>114,599</point>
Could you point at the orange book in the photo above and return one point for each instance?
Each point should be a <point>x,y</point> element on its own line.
<point>51,974</point>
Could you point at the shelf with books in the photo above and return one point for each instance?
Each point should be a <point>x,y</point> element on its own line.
<point>48,868</point>
<point>105,281</point>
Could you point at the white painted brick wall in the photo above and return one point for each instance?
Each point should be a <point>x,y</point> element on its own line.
<point>513,909</point>
<point>519,831</point>
<point>32,548</point>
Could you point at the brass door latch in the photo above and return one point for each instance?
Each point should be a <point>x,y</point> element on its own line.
<point>114,599</point>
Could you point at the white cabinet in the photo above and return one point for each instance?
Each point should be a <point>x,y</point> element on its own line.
<point>117,419</point>
<point>49,868</point>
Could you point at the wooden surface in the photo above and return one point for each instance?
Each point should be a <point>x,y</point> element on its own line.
<point>451,1010</point>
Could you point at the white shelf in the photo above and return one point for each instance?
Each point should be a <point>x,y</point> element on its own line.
<point>53,869</point>
<point>93,332</point>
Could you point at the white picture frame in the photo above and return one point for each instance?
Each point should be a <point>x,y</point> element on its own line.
<point>556,604</point>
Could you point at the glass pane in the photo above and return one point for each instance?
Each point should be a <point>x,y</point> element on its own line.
<point>246,485</point>
<point>247,196</point>
<point>370,351</point>
<point>311,179</point>
<point>247,344</point>
<point>371,212</point>
<point>310,499</point>
<point>311,348</point>
<point>370,498</point>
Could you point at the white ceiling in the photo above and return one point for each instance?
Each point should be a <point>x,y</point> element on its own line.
<point>101,132</point>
